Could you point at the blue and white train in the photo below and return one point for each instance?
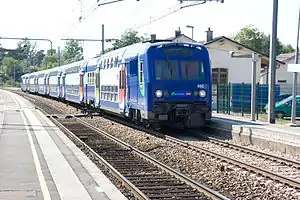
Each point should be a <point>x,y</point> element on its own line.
<point>152,82</point>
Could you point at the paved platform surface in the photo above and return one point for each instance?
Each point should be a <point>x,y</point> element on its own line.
<point>246,122</point>
<point>37,161</point>
<point>283,138</point>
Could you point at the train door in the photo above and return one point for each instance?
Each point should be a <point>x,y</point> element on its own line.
<point>81,86</point>
<point>63,87</point>
<point>36,84</point>
<point>132,72</point>
<point>122,88</point>
<point>45,85</point>
<point>97,90</point>
<point>48,84</point>
<point>58,86</point>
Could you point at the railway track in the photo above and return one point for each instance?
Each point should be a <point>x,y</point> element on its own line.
<point>288,173</point>
<point>288,167</point>
<point>146,177</point>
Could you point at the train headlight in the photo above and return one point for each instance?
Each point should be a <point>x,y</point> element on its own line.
<point>196,93</point>
<point>158,93</point>
<point>202,93</point>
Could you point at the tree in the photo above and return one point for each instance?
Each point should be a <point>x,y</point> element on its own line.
<point>288,49</point>
<point>10,65</point>
<point>259,41</point>
<point>73,51</point>
<point>129,37</point>
<point>38,58</point>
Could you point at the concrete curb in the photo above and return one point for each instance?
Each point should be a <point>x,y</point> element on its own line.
<point>257,135</point>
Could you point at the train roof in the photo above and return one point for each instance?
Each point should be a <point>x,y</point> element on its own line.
<point>121,54</point>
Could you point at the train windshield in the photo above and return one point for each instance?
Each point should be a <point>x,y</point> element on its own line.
<point>192,70</point>
<point>169,70</point>
<point>166,70</point>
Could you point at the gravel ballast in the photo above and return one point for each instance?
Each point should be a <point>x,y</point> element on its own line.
<point>230,181</point>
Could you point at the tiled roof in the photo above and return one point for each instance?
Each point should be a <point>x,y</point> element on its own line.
<point>285,56</point>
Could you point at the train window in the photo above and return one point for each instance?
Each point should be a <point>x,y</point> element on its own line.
<point>192,70</point>
<point>94,78</point>
<point>104,64</point>
<point>120,79</point>
<point>116,61</point>
<point>166,70</point>
<point>108,63</point>
<point>112,62</point>
<point>141,72</point>
<point>116,88</point>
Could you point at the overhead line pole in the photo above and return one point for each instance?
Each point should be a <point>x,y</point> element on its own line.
<point>38,39</point>
<point>272,64</point>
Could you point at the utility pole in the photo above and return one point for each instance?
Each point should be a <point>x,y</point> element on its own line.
<point>272,64</point>
<point>295,77</point>
<point>192,27</point>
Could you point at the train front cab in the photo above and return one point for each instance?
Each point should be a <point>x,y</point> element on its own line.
<point>180,89</point>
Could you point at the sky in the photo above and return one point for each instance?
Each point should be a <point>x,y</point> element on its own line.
<point>57,19</point>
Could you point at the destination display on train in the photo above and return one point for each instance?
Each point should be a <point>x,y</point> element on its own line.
<point>178,51</point>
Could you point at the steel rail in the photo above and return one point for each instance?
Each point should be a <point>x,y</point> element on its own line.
<point>139,194</point>
<point>233,161</point>
<point>202,188</point>
<point>253,152</point>
<point>249,167</point>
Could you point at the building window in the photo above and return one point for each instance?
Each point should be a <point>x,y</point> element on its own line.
<point>219,75</point>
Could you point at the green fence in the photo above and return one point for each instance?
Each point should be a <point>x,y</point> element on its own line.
<point>235,98</point>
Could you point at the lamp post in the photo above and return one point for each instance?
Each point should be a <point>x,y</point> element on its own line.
<point>192,27</point>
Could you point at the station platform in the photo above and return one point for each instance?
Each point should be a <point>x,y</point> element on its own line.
<point>37,160</point>
<point>283,138</point>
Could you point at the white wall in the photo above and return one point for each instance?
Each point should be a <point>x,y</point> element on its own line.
<point>283,74</point>
<point>239,69</point>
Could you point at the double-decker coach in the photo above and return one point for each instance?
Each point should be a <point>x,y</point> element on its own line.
<point>152,83</point>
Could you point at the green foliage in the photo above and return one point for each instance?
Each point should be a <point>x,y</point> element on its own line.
<point>129,37</point>
<point>288,49</point>
<point>73,52</point>
<point>26,59</point>
<point>255,39</point>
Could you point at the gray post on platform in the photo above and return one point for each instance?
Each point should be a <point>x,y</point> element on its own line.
<point>272,65</point>
<point>253,86</point>
<point>295,74</point>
